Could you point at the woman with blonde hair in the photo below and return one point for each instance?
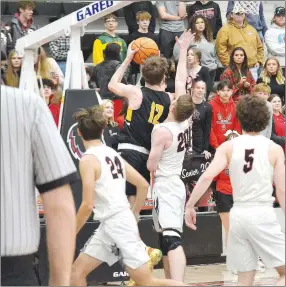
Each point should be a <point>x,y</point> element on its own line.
<point>48,68</point>
<point>111,130</point>
<point>12,75</point>
<point>273,77</point>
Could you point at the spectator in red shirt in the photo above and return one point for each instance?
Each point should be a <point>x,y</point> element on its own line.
<point>279,122</point>
<point>223,115</point>
<point>223,193</point>
<point>51,97</point>
<point>238,74</point>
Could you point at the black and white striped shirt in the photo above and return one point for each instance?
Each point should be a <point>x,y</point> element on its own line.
<point>33,154</point>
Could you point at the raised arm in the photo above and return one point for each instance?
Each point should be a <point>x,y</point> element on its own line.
<point>184,42</point>
<point>219,163</point>
<point>132,93</point>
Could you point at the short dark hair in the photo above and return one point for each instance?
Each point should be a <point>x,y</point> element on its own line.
<point>184,108</point>
<point>112,52</point>
<point>253,114</point>
<point>224,83</point>
<point>90,122</point>
<point>154,69</point>
<point>46,82</point>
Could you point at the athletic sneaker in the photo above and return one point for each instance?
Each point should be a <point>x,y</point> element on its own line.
<point>260,265</point>
<point>155,256</point>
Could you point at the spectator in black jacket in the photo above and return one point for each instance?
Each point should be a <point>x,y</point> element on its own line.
<point>131,10</point>
<point>210,10</point>
<point>4,66</point>
<point>22,22</point>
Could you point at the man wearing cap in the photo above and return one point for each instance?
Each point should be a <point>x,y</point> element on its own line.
<point>238,33</point>
<point>275,37</point>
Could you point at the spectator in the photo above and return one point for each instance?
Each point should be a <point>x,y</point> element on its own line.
<point>59,49</point>
<point>172,14</point>
<point>102,74</point>
<point>205,44</point>
<point>275,37</point>
<point>238,74</point>
<point>238,33</point>
<point>6,39</point>
<point>48,68</point>
<point>130,14</point>
<point>22,22</point>
<point>88,71</point>
<point>12,75</point>
<point>51,97</point>
<point>195,70</point>
<point>255,18</point>
<point>223,115</point>
<point>111,130</point>
<point>279,122</point>
<point>263,91</point>
<point>143,19</point>
<point>4,66</point>
<point>273,77</point>
<point>210,10</point>
<point>109,36</point>
<point>202,118</point>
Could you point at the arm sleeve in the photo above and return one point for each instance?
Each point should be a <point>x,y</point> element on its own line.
<point>221,46</point>
<point>218,21</point>
<point>130,19</point>
<point>97,53</point>
<point>207,129</point>
<point>277,139</point>
<point>152,25</point>
<point>262,18</point>
<point>53,166</point>
<point>272,44</point>
<point>260,50</point>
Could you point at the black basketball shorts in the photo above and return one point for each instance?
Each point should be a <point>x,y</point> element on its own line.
<point>224,202</point>
<point>138,161</point>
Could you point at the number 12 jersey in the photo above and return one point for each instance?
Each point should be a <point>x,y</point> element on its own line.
<point>109,197</point>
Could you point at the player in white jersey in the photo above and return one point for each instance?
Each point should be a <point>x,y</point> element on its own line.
<point>104,174</point>
<point>165,160</point>
<point>254,163</point>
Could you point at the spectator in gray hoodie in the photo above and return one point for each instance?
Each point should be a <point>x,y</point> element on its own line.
<point>255,19</point>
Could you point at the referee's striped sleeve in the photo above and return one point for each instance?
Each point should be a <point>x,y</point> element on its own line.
<point>53,165</point>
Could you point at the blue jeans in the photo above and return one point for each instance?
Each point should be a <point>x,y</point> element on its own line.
<point>62,65</point>
<point>254,72</point>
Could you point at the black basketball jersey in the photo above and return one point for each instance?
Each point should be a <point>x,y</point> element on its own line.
<point>139,123</point>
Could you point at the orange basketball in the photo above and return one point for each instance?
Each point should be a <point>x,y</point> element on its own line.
<point>147,47</point>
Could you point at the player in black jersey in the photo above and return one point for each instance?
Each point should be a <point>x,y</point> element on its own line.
<point>148,106</point>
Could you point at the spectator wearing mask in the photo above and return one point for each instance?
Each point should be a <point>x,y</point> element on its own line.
<point>210,10</point>
<point>279,122</point>
<point>51,97</point>
<point>223,114</point>
<point>275,37</point>
<point>272,76</point>
<point>205,44</point>
<point>172,14</point>
<point>238,33</point>
<point>13,72</point>
<point>238,74</point>
<point>196,70</point>
<point>263,91</point>
<point>111,130</point>
<point>130,15</point>
<point>255,17</point>
<point>22,22</point>
<point>48,68</point>
<point>102,74</point>
<point>109,36</point>
<point>59,48</point>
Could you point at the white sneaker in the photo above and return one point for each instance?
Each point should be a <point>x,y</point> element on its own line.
<point>260,266</point>
<point>234,272</point>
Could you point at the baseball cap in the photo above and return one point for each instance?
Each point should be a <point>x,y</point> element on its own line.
<point>279,11</point>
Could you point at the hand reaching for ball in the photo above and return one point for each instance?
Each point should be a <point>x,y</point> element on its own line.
<point>185,40</point>
<point>130,52</point>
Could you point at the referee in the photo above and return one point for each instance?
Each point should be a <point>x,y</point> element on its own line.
<point>33,154</point>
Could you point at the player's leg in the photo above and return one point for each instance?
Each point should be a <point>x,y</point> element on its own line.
<point>281,272</point>
<point>166,267</point>
<point>246,278</point>
<point>82,266</point>
<point>143,277</point>
<point>224,216</point>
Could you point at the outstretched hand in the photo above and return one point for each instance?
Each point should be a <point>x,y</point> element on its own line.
<point>186,39</point>
<point>131,52</point>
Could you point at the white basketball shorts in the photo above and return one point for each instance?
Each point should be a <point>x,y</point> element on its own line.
<point>118,237</point>
<point>169,203</point>
<point>254,232</point>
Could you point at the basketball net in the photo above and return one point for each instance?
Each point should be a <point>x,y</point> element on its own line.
<point>249,7</point>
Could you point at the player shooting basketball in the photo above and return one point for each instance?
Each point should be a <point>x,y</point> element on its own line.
<point>253,162</point>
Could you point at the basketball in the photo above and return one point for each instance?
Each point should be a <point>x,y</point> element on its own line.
<point>147,47</point>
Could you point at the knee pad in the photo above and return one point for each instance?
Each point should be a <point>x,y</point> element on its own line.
<point>169,240</point>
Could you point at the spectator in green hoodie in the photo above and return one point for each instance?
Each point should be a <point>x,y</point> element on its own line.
<point>99,45</point>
